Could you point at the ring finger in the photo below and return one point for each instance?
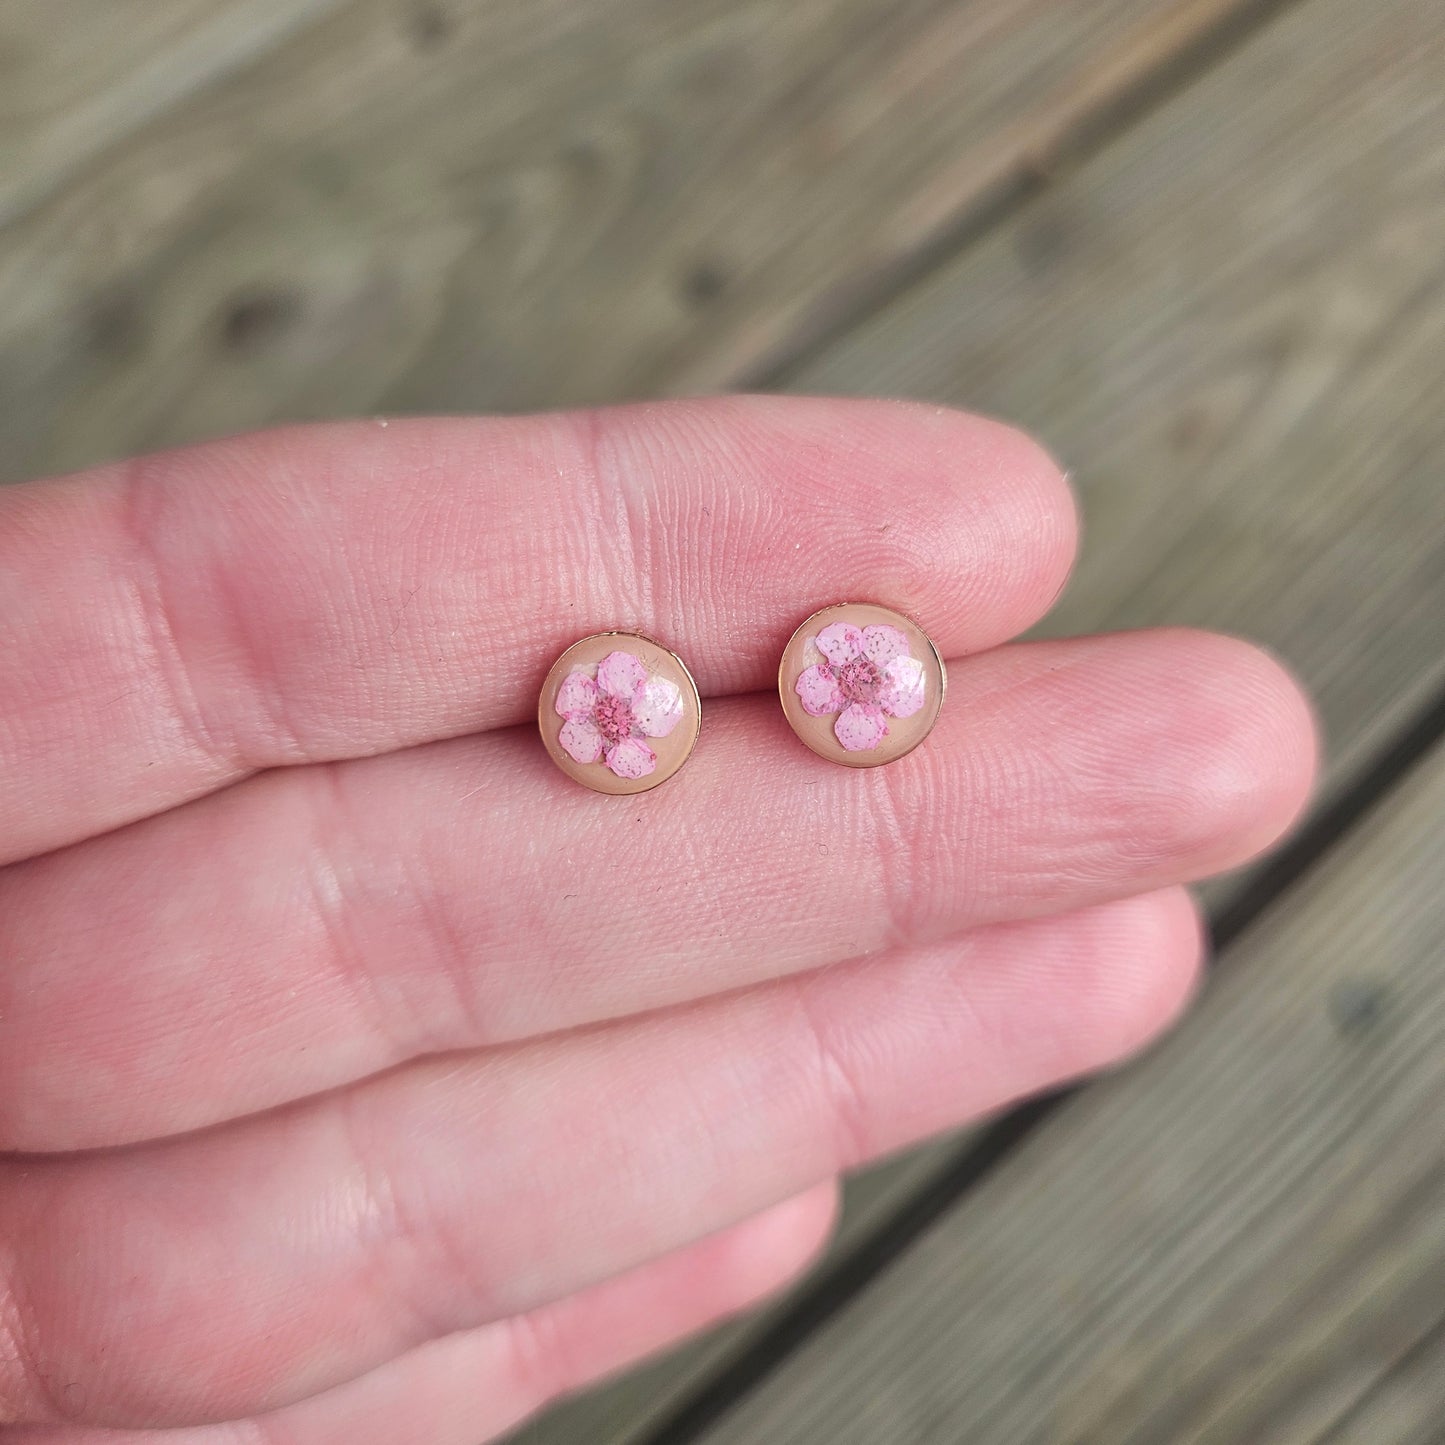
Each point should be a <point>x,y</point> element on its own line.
<point>472,1188</point>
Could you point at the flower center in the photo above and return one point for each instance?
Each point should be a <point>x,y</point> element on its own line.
<point>613,716</point>
<point>859,680</point>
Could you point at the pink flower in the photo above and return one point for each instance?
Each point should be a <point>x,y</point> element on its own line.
<point>867,675</point>
<point>610,708</point>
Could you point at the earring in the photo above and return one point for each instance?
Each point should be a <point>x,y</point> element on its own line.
<point>619,713</point>
<point>861,684</point>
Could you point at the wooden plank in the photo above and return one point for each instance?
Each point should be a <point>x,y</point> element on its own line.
<point>1231,324</point>
<point>1405,1407</point>
<point>112,332</point>
<point>76,75</point>
<point>618,1411</point>
<point>285,244</point>
<point>424,205</point>
<point>1198,286</point>
<point>1241,1239</point>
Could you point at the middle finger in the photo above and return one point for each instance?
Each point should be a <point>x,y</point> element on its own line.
<point>313,926</point>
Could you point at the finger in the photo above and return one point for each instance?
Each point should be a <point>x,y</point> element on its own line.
<point>177,622</point>
<point>476,1384</point>
<point>311,927</point>
<point>343,1232</point>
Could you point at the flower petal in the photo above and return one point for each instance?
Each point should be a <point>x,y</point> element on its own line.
<point>860,727</point>
<point>818,691</point>
<point>840,642</point>
<point>580,740</point>
<point>882,643</point>
<point>578,694</point>
<point>631,758</point>
<point>658,708</point>
<point>621,674</point>
<point>902,689</point>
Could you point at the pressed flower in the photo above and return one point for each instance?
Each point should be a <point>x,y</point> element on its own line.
<point>867,676</point>
<point>611,708</point>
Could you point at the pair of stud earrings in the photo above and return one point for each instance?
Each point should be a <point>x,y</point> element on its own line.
<point>860,684</point>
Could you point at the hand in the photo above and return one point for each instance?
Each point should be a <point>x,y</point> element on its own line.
<point>358,1067</point>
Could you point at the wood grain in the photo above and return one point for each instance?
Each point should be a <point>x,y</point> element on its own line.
<point>77,75</point>
<point>1239,1240</point>
<point>1405,1406</point>
<point>433,205</point>
<point>1228,324</point>
<point>1232,325</point>
<point>627,1406</point>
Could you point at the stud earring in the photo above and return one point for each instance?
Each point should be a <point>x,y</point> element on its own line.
<point>861,684</point>
<point>619,713</point>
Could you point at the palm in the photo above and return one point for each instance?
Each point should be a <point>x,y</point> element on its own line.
<point>425,1084</point>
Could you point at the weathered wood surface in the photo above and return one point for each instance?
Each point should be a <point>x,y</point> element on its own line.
<point>1239,1240</point>
<point>422,204</point>
<point>1405,1406</point>
<point>1232,325</point>
<point>1229,322</point>
<point>286,243</point>
<point>624,1408</point>
<point>76,74</point>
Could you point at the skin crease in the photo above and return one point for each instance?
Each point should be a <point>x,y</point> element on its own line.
<point>292,1013</point>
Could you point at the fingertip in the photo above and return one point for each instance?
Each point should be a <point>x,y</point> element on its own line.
<point>1197,751</point>
<point>999,510</point>
<point>773,1248</point>
<point>963,522</point>
<point>1031,505</point>
<point>1282,731</point>
<point>1248,748</point>
<point>1149,952</point>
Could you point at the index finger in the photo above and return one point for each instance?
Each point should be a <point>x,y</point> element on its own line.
<point>174,623</point>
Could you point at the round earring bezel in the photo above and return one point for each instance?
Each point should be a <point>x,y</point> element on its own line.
<point>672,751</point>
<point>815,732</point>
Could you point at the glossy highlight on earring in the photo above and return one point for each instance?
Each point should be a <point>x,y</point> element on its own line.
<point>861,684</point>
<point>619,713</point>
